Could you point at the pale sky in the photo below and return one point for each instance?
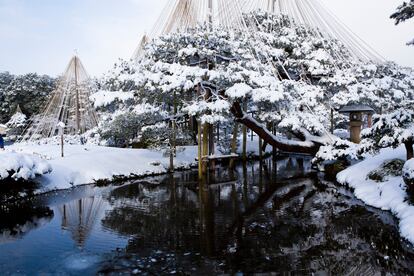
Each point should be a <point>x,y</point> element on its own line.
<point>41,35</point>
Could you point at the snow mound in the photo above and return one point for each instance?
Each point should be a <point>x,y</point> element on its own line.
<point>389,195</point>
<point>22,166</point>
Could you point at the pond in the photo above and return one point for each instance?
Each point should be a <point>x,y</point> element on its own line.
<point>256,218</point>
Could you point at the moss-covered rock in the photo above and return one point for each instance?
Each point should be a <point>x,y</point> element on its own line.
<point>388,168</point>
<point>332,169</point>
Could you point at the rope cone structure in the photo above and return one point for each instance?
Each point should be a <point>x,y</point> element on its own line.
<point>69,104</point>
<point>181,15</point>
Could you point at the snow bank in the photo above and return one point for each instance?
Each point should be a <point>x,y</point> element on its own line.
<point>87,164</point>
<point>389,195</point>
<point>22,166</point>
<point>105,98</point>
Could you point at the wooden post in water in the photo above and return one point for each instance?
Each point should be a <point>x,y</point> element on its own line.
<point>274,131</point>
<point>260,149</point>
<point>206,134</point>
<point>211,148</point>
<point>200,154</point>
<point>173,148</point>
<point>234,142</point>
<point>244,156</point>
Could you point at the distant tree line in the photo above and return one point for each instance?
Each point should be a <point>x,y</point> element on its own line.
<point>30,91</point>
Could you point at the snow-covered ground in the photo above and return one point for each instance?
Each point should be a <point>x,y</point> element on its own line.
<point>388,195</point>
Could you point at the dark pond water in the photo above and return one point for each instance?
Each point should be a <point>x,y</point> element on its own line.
<point>257,218</point>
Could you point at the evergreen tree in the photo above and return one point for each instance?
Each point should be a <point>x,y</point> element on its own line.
<point>30,91</point>
<point>287,77</point>
<point>403,13</point>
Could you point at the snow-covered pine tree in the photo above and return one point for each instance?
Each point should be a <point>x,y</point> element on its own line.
<point>391,130</point>
<point>286,74</point>
<point>403,13</point>
<point>16,124</point>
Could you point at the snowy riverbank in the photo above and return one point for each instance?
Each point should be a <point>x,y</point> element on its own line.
<point>85,164</point>
<point>387,195</point>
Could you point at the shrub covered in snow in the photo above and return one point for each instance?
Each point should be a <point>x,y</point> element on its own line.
<point>391,130</point>
<point>22,166</point>
<point>339,150</point>
<point>16,124</point>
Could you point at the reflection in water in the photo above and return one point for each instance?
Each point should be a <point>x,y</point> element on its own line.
<point>79,217</point>
<point>259,217</point>
<point>17,220</point>
<point>263,222</point>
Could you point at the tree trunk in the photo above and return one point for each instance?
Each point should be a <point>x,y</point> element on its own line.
<point>306,147</point>
<point>409,148</point>
<point>244,130</point>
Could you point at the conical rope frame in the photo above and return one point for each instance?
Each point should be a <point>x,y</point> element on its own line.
<point>69,104</point>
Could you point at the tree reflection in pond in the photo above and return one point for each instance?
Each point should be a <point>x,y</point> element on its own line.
<point>263,222</point>
<point>18,219</point>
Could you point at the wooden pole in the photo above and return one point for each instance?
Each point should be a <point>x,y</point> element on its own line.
<point>200,154</point>
<point>61,145</point>
<point>77,97</point>
<point>234,142</point>
<point>210,14</point>
<point>244,156</point>
<point>173,146</point>
<point>260,148</point>
<point>211,148</point>
<point>206,134</point>
<point>274,131</point>
<point>271,5</point>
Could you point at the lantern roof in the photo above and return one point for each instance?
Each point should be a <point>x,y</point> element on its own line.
<point>357,108</point>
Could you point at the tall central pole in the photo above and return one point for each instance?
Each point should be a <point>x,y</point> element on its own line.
<point>77,97</point>
<point>271,6</point>
<point>210,14</point>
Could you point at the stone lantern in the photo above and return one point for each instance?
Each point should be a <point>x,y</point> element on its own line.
<point>356,113</point>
